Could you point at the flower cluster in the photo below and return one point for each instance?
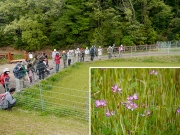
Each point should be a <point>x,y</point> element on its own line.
<point>130,104</point>
<point>100,103</point>
<point>108,113</point>
<point>116,89</point>
<point>153,72</point>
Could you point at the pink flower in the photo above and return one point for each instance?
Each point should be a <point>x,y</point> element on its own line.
<point>131,105</point>
<point>108,113</point>
<point>178,110</point>
<point>115,88</point>
<point>130,98</point>
<point>100,103</point>
<point>135,97</point>
<point>148,112</point>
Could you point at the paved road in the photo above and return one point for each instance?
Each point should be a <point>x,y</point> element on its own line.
<point>11,66</point>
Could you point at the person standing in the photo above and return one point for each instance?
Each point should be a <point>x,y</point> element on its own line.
<point>69,57</point>
<point>92,53</point>
<point>19,73</point>
<point>53,54</point>
<point>31,71</point>
<point>41,67</point>
<point>9,102</point>
<point>77,52</point>
<point>109,51</point>
<point>64,57</point>
<point>5,79</point>
<point>99,53</point>
<point>86,54</point>
<point>121,48</point>
<point>82,55</point>
<point>57,61</point>
<point>35,63</point>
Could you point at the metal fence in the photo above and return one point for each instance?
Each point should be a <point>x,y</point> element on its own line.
<point>56,100</point>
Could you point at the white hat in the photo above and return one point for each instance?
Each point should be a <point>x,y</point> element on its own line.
<point>6,70</point>
<point>63,52</point>
<point>55,50</point>
<point>121,45</point>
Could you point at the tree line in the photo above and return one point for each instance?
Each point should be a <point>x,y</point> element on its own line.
<point>36,24</point>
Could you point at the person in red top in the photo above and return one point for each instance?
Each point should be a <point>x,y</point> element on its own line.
<point>57,61</point>
<point>5,79</point>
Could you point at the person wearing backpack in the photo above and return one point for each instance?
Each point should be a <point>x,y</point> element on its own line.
<point>64,57</point>
<point>20,75</point>
<point>4,78</point>
<point>7,100</point>
<point>41,67</point>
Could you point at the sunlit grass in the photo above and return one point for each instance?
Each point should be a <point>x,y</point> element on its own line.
<point>156,93</point>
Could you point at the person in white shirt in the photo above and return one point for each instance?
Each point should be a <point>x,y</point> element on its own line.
<point>86,54</point>
<point>99,53</point>
<point>121,48</point>
<point>53,54</point>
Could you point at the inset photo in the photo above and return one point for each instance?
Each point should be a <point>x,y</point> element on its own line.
<point>135,101</point>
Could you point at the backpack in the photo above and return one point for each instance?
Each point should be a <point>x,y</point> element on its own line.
<point>2,97</point>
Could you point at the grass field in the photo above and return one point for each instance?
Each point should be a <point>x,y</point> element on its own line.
<point>75,77</point>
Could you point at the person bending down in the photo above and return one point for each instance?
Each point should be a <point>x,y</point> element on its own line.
<point>9,102</point>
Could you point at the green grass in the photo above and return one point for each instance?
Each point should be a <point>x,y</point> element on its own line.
<point>159,93</point>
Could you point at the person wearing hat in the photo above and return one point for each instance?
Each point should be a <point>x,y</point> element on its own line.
<point>9,102</point>
<point>64,57</point>
<point>4,78</point>
<point>120,50</point>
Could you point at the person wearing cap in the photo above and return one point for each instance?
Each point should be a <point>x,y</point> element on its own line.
<point>9,102</point>
<point>64,57</point>
<point>5,78</point>
<point>120,50</point>
<point>57,61</point>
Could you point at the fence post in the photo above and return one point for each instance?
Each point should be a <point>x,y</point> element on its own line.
<point>42,103</point>
<point>87,105</point>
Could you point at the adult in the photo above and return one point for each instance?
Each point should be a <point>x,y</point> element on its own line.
<point>20,75</point>
<point>121,48</point>
<point>92,53</point>
<point>109,51</point>
<point>64,57</point>
<point>99,53</point>
<point>82,55</point>
<point>35,63</point>
<point>41,69</point>
<point>69,57</point>
<point>53,54</point>
<point>57,61</point>
<point>77,52</point>
<point>9,102</point>
<point>86,54</point>
<point>5,78</point>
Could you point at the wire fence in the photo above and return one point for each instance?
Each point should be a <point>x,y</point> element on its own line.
<point>60,101</point>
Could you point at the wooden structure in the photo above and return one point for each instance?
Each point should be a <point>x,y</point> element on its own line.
<point>11,59</point>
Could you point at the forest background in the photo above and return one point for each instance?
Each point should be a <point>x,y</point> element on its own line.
<point>63,24</point>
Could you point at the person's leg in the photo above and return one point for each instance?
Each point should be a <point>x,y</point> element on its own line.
<point>10,106</point>
<point>43,74</point>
